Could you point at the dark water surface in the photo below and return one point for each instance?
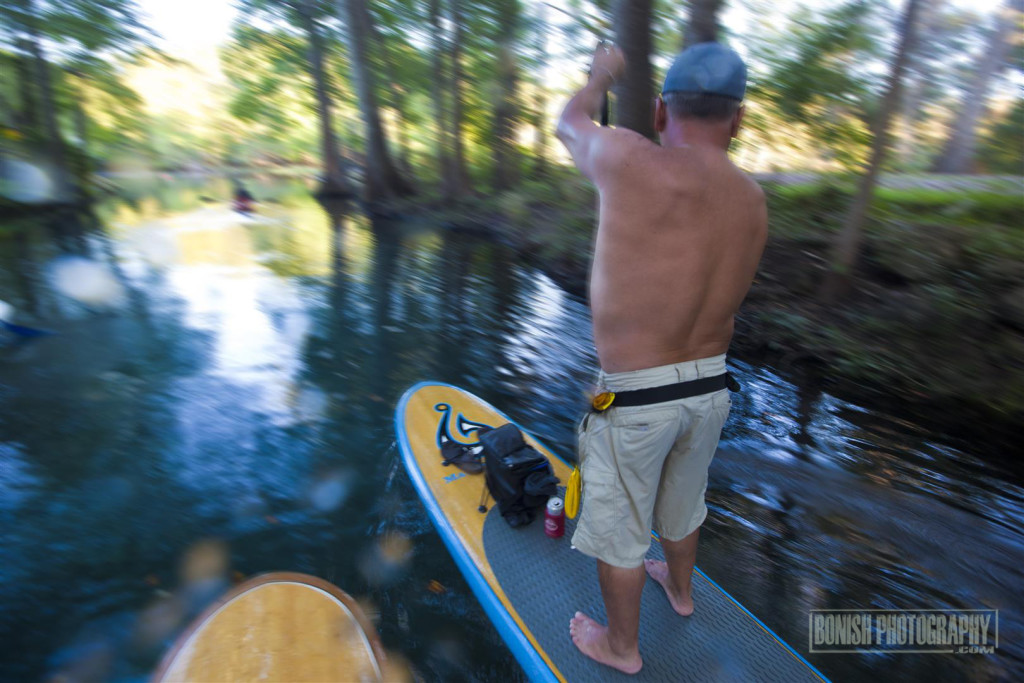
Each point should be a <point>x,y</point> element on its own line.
<point>221,405</point>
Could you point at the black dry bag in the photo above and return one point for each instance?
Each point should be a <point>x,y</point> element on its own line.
<point>519,478</point>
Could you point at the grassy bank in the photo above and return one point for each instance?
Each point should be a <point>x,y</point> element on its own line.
<point>935,323</point>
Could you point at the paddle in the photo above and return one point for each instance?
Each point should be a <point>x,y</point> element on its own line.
<point>24,331</point>
<point>6,312</point>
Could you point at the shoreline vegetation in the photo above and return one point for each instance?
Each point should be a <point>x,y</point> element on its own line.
<point>933,326</point>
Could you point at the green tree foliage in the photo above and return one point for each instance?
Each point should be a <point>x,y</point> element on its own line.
<point>458,85</point>
<point>1002,147</point>
<point>57,46</point>
<point>272,95</point>
<point>308,18</point>
<point>473,57</point>
<point>110,118</point>
<point>815,76</point>
<point>79,29</point>
<point>11,105</point>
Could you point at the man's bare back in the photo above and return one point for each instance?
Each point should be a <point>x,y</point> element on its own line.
<point>680,236</point>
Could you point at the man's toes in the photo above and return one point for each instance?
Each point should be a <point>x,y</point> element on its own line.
<point>657,570</point>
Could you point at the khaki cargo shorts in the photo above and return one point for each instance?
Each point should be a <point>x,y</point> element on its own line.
<point>646,467</point>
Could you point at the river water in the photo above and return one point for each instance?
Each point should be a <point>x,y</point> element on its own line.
<point>217,402</point>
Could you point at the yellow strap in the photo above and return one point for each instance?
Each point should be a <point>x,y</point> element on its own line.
<point>572,494</point>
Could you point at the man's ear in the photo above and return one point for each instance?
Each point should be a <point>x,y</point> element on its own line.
<point>660,115</point>
<point>737,120</point>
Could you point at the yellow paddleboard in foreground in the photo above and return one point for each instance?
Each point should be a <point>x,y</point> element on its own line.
<point>277,627</point>
<point>530,585</point>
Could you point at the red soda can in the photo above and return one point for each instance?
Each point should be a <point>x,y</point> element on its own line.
<point>554,518</point>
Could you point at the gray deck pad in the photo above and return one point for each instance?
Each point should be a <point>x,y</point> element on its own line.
<point>548,582</point>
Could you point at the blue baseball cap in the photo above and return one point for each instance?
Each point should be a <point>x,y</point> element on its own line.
<point>708,68</point>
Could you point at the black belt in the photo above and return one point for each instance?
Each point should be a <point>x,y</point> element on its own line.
<point>665,393</point>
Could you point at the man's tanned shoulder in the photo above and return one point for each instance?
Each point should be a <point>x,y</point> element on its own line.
<point>603,154</point>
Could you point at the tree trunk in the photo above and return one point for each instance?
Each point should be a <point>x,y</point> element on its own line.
<point>382,179</point>
<point>82,128</point>
<point>506,162</point>
<point>395,98</point>
<point>440,99</point>
<point>540,102</point>
<point>958,151</point>
<point>635,90</point>
<point>398,101</point>
<point>334,182</point>
<point>540,139</point>
<point>8,114</point>
<point>28,113</point>
<point>916,82</point>
<point>702,23</point>
<point>460,176</point>
<point>401,130</point>
<point>65,188</point>
<point>81,119</point>
<point>847,247</point>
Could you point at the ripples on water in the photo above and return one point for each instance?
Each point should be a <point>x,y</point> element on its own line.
<point>229,413</point>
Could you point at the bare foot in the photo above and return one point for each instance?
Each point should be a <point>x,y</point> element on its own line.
<point>658,571</point>
<point>592,640</point>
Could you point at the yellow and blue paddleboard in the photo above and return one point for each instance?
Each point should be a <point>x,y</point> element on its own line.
<point>278,627</point>
<point>530,585</point>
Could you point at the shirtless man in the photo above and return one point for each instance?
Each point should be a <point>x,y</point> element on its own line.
<point>680,235</point>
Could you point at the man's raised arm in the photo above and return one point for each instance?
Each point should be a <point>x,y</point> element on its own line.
<point>587,142</point>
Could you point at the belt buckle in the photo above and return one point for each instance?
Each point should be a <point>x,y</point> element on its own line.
<point>602,401</point>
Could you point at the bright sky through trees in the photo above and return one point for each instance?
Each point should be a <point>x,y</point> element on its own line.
<point>199,25</point>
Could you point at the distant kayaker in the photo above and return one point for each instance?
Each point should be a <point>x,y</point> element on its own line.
<point>243,201</point>
<point>680,235</point>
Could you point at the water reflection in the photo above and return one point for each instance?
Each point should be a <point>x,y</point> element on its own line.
<point>244,393</point>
